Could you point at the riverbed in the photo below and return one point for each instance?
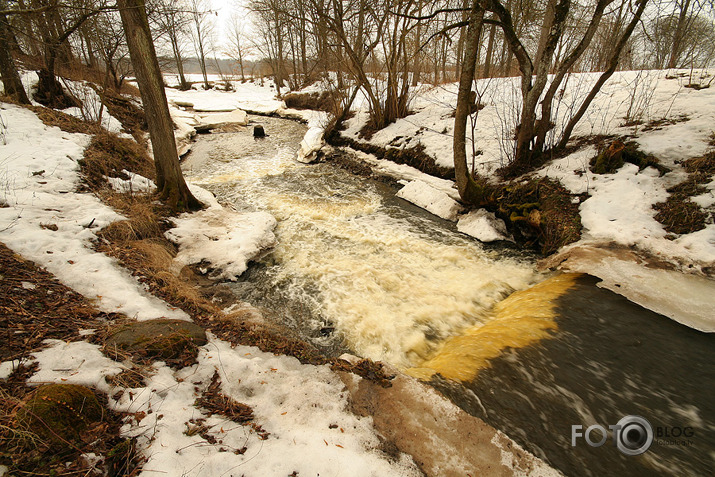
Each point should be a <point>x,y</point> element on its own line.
<point>357,270</point>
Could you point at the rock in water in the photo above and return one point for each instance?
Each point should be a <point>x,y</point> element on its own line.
<point>258,131</point>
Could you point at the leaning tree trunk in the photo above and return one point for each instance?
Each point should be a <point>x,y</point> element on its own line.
<point>170,183</point>
<point>612,64</point>
<point>469,190</point>
<point>8,71</point>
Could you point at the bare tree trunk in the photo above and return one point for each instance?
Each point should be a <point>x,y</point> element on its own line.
<point>170,183</point>
<point>490,52</point>
<point>176,49</point>
<point>468,189</point>
<point>544,123</point>
<point>679,33</point>
<point>8,70</point>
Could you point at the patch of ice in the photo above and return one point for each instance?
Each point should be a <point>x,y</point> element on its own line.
<point>687,299</point>
<point>310,145</point>
<point>434,201</point>
<point>483,225</point>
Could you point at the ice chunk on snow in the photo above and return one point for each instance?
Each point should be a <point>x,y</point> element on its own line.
<point>433,200</point>
<point>310,145</point>
<point>212,121</point>
<point>227,240</point>
<point>483,225</point>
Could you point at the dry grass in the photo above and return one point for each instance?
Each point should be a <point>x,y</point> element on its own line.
<point>65,122</point>
<point>34,306</point>
<point>413,156</point>
<point>612,158</point>
<point>323,101</point>
<point>365,368</point>
<point>27,452</point>
<point>678,214</point>
<point>214,401</point>
<point>108,155</point>
<point>540,213</point>
<point>132,117</point>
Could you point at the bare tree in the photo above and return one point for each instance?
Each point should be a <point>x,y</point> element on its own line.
<point>173,20</point>
<point>237,47</point>
<point>201,33</point>
<point>170,183</point>
<point>469,190</point>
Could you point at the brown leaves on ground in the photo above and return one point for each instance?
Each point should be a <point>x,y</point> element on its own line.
<point>214,401</point>
<point>26,452</point>
<point>365,368</point>
<point>35,306</point>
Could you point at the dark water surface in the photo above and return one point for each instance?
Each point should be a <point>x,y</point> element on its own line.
<point>610,358</point>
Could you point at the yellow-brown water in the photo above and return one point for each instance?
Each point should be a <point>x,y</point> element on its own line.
<point>524,318</point>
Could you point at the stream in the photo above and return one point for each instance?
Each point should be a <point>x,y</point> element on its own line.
<point>357,270</point>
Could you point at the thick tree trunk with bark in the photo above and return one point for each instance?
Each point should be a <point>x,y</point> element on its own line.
<point>170,183</point>
<point>8,71</point>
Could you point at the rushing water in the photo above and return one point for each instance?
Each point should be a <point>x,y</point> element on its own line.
<point>357,269</point>
<point>392,284</point>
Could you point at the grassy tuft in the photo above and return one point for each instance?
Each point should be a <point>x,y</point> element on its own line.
<point>679,214</point>
<point>322,101</point>
<point>108,155</point>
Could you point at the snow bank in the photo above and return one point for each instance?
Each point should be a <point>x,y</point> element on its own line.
<point>221,239</point>
<point>310,145</point>
<point>184,130</point>
<point>435,201</point>
<point>39,176</point>
<point>483,225</point>
<point>687,299</point>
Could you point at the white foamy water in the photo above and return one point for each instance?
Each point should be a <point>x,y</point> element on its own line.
<point>391,283</point>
